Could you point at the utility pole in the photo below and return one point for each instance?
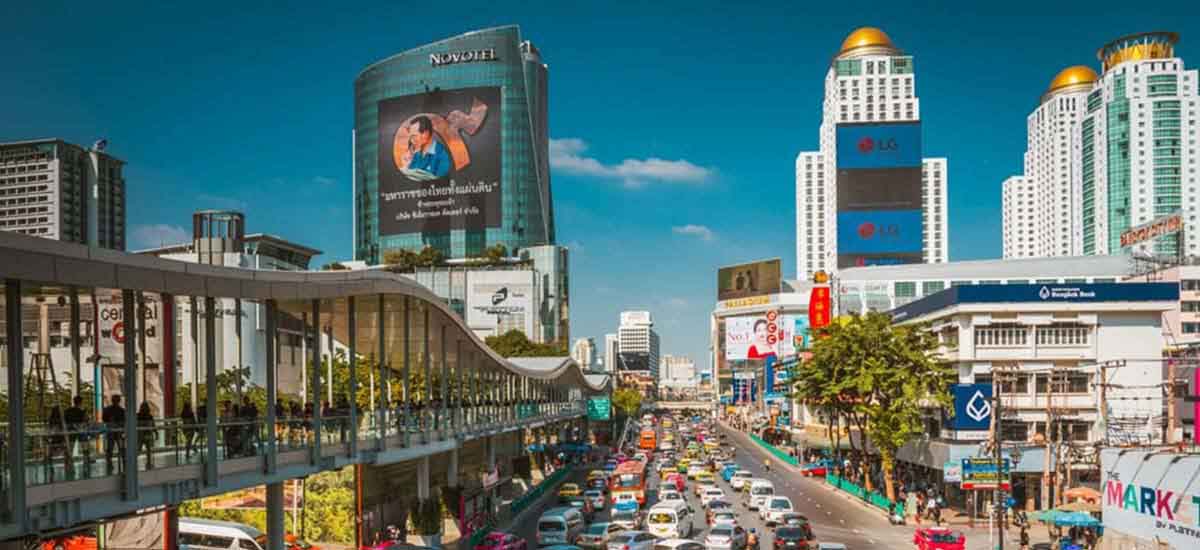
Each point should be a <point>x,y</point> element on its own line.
<point>1049,444</point>
<point>1172,417</point>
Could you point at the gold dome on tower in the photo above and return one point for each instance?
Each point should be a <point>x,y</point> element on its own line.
<point>867,40</point>
<point>1071,79</point>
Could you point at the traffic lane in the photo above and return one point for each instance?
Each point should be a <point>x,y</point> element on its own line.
<point>834,518</point>
<point>527,529</point>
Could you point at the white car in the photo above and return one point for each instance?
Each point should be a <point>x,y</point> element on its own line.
<point>678,544</point>
<point>725,537</point>
<point>774,509</point>
<point>668,496</point>
<point>701,486</point>
<point>725,518</point>
<point>740,478</point>
<point>695,469</point>
<point>631,540</point>
<point>627,520</point>
<point>596,497</point>
<point>710,495</point>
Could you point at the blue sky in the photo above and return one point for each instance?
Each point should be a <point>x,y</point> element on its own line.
<point>249,106</point>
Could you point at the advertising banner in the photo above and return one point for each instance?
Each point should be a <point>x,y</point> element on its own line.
<point>881,145</point>
<point>599,408</point>
<point>1155,228</point>
<point>439,161</point>
<point>1151,495</point>
<point>972,406</point>
<point>819,305</point>
<point>952,471</point>
<point>879,189</point>
<point>751,279</point>
<point>501,301</point>
<point>879,232</point>
<point>767,337</point>
<point>980,473</point>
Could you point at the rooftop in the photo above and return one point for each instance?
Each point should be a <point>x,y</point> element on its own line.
<point>1026,268</point>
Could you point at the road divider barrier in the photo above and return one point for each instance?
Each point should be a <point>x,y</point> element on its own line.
<point>874,498</point>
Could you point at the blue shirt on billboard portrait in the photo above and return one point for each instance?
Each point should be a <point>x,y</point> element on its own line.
<point>434,159</point>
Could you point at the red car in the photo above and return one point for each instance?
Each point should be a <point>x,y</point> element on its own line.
<point>501,541</point>
<point>939,538</point>
<point>678,480</point>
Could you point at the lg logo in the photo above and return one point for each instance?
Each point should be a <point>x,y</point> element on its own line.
<point>869,230</point>
<point>867,145</point>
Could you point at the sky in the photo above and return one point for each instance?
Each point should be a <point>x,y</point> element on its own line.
<point>675,124</point>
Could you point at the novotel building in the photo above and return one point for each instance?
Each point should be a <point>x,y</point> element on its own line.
<point>451,148</point>
<point>1071,366</point>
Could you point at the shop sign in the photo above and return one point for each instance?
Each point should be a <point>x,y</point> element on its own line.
<point>980,473</point>
<point>952,471</point>
<point>746,302</point>
<point>599,408</point>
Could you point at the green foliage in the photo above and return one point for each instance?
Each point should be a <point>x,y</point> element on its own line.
<point>334,266</point>
<point>879,376</point>
<point>514,343</point>
<point>426,516</point>
<point>627,400</point>
<point>403,260</point>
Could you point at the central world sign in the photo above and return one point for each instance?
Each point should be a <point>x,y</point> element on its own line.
<point>467,56</point>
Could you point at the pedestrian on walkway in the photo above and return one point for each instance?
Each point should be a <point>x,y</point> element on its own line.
<point>57,444</point>
<point>191,431</point>
<point>113,417</point>
<point>145,422</point>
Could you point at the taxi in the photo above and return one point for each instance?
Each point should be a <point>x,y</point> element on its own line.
<point>570,490</point>
<point>596,474</point>
<point>682,465</point>
<point>705,476</point>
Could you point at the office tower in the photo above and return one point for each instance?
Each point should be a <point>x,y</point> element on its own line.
<point>584,352</point>
<point>612,349</point>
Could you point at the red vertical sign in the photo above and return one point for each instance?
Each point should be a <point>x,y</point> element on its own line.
<point>818,307</point>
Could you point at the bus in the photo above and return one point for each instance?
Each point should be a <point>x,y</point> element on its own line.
<point>648,440</point>
<point>629,477</point>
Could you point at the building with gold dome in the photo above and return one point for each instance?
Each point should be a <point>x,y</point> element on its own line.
<point>870,96</point>
<point>1108,152</point>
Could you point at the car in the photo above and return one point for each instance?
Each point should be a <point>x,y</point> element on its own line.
<point>939,538</point>
<point>569,490</point>
<point>596,497</point>
<point>677,480</point>
<point>727,471</point>
<point>597,535</point>
<point>816,469</point>
<point>760,492</point>
<point>581,503</point>
<point>682,465</point>
<point>725,537</point>
<point>597,474</point>
<point>678,544</point>
<point>795,520</point>
<point>598,484</point>
<point>723,517</point>
<point>670,495</point>
<point>739,478</point>
<point>626,520</point>
<point>631,540</point>
<point>700,487</point>
<point>610,466</point>
<point>719,505</point>
<point>829,546</point>
<point>560,547</point>
<point>694,469</point>
<point>774,508</point>
<point>498,540</point>
<point>710,495</point>
<point>791,538</point>
<point>706,476</point>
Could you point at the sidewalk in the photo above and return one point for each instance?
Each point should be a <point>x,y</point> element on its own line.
<point>950,518</point>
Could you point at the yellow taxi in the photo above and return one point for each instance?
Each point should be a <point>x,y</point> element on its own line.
<point>596,474</point>
<point>682,465</point>
<point>704,476</point>
<point>569,490</point>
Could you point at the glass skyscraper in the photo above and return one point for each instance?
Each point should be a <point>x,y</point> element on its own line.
<point>451,148</point>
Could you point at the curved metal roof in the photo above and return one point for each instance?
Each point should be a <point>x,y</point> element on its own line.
<point>60,263</point>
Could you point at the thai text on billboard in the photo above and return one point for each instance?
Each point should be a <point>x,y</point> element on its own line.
<point>1165,225</point>
<point>439,161</point>
<point>750,279</point>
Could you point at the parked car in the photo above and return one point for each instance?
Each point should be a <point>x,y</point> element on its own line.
<point>816,469</point>
<point>939,538</point>
<point>725,537</point>
<point>501,541</point>
<point>631,540</point>
<point>791,538</point>
<point>597,535</point>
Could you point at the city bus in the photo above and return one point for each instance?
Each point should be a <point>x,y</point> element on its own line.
<point>648,440</point>
<point>629,477</point>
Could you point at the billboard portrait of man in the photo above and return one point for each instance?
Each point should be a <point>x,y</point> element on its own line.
<point>425,153</point>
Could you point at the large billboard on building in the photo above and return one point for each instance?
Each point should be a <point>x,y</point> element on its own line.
<point>1150,498</point>
<point>879,194</point>
<point>439,161</point>
<point>500,301</point>
<point>764,336</point>
<point>750,279</point>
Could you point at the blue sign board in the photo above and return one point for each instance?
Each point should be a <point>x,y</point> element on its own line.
<point>879,231</point>
<point>972,407</point>
<point>1066,293</point>
<point>881,145</point>
<point>980,473</point>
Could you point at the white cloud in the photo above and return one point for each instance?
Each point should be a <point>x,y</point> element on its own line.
<point>322,180</point>
<point>567,154</point>
<point>700,231</point>
<point>160,234</point>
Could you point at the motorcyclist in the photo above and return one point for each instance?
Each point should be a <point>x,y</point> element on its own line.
<point>752,539</point>
<point>767,464</point>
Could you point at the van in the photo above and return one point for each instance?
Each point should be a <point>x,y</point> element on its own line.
<point>207,534</point>
<point>670,519</point>
<point>559,526</point>
<point>760,491</point>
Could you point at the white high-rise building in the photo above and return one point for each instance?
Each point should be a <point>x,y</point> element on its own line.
<point>638,342</point>
<point>869,81</point>
<point>612,349</point>
<point>584,352</point>
<point>1018,215</point>
<point>1108,153</point>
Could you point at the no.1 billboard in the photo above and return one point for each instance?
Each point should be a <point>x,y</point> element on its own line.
<point>439,161</point>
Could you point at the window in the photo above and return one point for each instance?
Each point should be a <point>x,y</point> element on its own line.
<point>1001,335</point>
<point>1191,328</point>
<point>931,287</point>
<point>1190,306</point>
<point>908,289</point>
<point>1063,335</point>
<point>1189,284</point>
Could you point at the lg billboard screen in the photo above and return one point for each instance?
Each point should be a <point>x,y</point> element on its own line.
<point>439,161</point>
<point>879,219</point>
<point>753,279</point>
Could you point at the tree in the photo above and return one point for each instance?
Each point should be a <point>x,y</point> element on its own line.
<point>495,253</point>
<point>627,400</point>
<point>514,343</point>
<point>880,376</point>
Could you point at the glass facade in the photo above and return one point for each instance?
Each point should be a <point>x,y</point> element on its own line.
<point>1119,203</point>
<point>515,67</point>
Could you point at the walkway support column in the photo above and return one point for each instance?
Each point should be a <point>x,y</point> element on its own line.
<point>210,385</point>
<point>316,380</point>
<point>385,378</point>
<point>351,334</point>
<point>131,315</point>
<point>275,514</point>
<point>272,366</point>
<point>16,403</point>
<point>423,478</point>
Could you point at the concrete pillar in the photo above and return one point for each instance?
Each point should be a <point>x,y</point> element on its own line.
<point>272,367</point>
<point>131,317</point>
<point>210,397</point>
<point>315,386</point>
<point>385,374</point>
<point>275,515</point>
<point>352,399</point>
<point>16,404</point>
<point>491,452</point>
<point>452,469</point>
<point>423,478</point>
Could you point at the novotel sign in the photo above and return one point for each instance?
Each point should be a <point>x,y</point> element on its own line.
<point>1165,225</point>
<point>467,56</point>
